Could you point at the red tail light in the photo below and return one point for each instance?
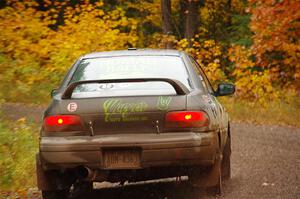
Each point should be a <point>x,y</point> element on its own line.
<point>62,123</point>
<point>186,119</point>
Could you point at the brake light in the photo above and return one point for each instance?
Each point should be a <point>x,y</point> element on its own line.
<point>62,123</point>
<point>186,119</point>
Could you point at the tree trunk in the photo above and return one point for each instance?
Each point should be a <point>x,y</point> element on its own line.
<point>166,20</point>
<point>2,3</point>
<point>191,19</point>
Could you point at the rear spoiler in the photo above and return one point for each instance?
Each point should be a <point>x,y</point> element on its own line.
<point>179,87</point>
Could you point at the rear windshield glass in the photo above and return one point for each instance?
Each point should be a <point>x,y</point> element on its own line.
<point>125,67</point>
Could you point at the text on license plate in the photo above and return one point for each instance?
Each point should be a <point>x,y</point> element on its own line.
<point>121,159</point>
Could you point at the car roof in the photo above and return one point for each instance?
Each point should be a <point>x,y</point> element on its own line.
<point>134,52</point>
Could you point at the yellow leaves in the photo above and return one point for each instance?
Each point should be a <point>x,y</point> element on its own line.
<point>251,84</point>
<point>100,13</point>
<point>36,57</point>
<point>44,55</point>
<point>238,6</point>
<point>204,13</point>
<point>208,54</point>
<point>209,43</point>
<point>22,120</point>
<point>99,4</point>
<point>182,44</point>
<point>214,72</point>
<point>151,10</point>
<point>214,12</point>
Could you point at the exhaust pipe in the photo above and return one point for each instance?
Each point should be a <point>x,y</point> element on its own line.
<point>86,174</point>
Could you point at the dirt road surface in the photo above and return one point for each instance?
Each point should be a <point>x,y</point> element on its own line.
<point>265,164</point>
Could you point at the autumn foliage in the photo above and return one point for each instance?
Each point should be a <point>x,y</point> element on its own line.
<point>254,44</point>
<point>34,57</point>
<point>276,43</point>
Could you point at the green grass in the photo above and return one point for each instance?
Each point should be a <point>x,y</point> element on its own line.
<point>274,113</point>
<point>18,146</point>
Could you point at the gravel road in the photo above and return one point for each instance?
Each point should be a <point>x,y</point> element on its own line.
<point>265,164</point>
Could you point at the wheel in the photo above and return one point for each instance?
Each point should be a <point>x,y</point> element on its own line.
<point>209,178</point>
<point>226,164</point>
<point>55,194</point>
<point>217,189</point>
<point>80,190</point>
<point>52,184</point>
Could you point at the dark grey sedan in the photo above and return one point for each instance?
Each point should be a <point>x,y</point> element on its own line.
<point>133,115</point>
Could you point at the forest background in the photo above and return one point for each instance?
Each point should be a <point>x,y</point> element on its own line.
<point>252,43</point>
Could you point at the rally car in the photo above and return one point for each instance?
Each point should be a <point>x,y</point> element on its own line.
<point>133,115</point>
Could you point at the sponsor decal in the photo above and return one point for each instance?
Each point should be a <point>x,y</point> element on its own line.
<point>117,111</point>
<point>163,102</point>
<point>206,99</point>
<point>72,107</point>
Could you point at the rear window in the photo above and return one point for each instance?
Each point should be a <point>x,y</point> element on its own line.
<point>125,67</point>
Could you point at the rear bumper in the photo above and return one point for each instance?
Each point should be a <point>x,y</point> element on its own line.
<point>157,150</point>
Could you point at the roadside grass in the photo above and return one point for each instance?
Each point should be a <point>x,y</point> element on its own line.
<point>274,112</point>
<point>18,146</point>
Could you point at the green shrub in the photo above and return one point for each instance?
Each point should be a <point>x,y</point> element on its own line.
<point>18,146</point>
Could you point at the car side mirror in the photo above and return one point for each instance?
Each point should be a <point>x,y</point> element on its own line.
<point>54,92</point>
<point>225,89</point>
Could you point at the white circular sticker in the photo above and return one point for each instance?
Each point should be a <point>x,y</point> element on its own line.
<point>72,107</point>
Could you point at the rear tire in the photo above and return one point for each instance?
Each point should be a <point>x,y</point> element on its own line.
<point>52,184</point>
<point>217,168</point>
<point>55,194</point>
<point>226,163</point>
<point>210,178</point>
<point>81,190</point>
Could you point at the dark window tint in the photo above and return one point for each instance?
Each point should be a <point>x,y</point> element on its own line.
<point>204,80</point>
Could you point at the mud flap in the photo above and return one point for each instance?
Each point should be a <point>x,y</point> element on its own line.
<point>209,177</point>
<point>226,163</point>
<point>49,180</point>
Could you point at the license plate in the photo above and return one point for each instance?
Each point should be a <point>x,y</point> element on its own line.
<point>122,159</point>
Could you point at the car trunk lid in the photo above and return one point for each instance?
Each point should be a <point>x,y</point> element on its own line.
<point>134,114</point>
<point>123,114</point>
